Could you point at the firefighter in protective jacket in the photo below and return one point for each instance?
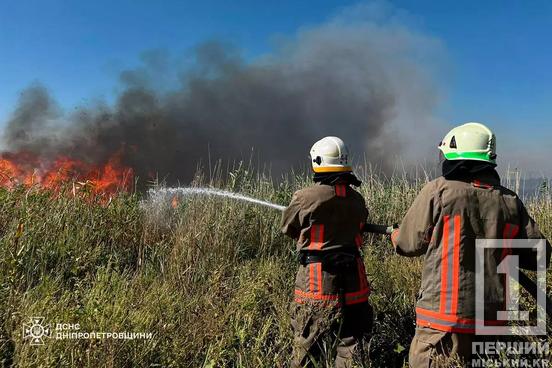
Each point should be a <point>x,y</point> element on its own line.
<point>331,289</point>
<point>464,204</point>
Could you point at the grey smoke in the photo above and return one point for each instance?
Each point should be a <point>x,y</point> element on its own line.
<point>365,78</point>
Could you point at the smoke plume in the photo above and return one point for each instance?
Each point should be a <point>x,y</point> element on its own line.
<point>363,76</point>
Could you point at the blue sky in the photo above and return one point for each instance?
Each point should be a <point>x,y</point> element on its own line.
<point>499,53</point>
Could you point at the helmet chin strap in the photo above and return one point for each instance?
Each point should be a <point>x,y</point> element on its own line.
<point>441,157</point>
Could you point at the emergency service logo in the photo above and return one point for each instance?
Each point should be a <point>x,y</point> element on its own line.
<point>36,331</point>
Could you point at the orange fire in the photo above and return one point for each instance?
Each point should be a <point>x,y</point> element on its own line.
<point>28,169</point>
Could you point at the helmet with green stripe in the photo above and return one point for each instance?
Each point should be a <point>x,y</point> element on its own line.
<point>470,141</point>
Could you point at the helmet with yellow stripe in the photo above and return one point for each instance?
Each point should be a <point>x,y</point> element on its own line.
<point>470,141</point>
<point>330,155</point>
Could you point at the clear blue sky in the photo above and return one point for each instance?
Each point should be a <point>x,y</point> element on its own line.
<point>500,51</point>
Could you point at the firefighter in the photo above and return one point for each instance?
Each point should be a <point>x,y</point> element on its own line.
<point>466,203</point>
<point>331,289</point>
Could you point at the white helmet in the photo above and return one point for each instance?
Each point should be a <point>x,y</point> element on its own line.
<point>330,154</point>
<point>470,141</point>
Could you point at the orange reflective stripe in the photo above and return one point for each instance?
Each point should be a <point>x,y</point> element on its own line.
<point>360,274</point>
<point>301,300</point>
<point>505,252</point>
<point>316,237</point>
<point>315,278</point>
<point>440,327</point>
<point>450,267</point>
<point>357,297</point>
<point>448,319</point>
<point>357,293</point>
<point>315,296</point>
<point>394,236</point>
<point>311,277</point>
<point>453,328</point>
<point>315,289</point>
<point>358,237</point>
<point>455,264</point>
<point>444,317</point>
<point>350,298</point>
<point>364,299</point>
<point>515,231</point>
<point>341,190</point>
<point>506,236</point>
<point>479,184</point>
<point>510,232</point>
<point>301,297</point>
<point>319,268</point>
<point>363,282</point>
<point>444,265</point>
<point>430,313</point>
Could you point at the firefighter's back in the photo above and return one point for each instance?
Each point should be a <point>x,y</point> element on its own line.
<point>336,214</point>
<point>331,289</point>
<point>469,210</point>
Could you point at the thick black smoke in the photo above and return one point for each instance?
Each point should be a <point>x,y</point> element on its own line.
<point>359,79</point>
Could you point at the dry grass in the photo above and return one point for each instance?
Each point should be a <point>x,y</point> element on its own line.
<point>212,281</point>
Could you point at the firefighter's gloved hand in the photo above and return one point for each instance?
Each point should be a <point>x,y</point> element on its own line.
<point>390,229</point>
<point>394,231</point>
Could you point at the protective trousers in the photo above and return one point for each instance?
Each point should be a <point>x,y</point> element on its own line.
<point>320,331</point>
<point>434,348</point>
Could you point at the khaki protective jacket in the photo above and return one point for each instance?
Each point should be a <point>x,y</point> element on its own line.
<point>442,225</point>
<point>326,219</point>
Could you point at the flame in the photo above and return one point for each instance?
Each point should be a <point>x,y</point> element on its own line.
<point>27,169</point>
<point>174,202</point>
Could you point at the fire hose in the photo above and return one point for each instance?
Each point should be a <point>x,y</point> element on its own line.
<point>525,281</point>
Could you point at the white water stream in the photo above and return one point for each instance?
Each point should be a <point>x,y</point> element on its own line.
<point>164,194</point>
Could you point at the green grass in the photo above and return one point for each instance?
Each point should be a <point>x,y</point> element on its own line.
<point>211,280</point>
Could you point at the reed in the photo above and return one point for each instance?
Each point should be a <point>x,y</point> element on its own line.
<point>210,277</point>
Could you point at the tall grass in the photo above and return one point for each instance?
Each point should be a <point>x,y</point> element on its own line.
<point>211,280</point>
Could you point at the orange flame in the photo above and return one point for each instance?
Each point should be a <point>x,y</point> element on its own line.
<point>174,202</point>
<point>28,169</point>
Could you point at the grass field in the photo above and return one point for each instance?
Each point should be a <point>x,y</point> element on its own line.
<point>211,280</point>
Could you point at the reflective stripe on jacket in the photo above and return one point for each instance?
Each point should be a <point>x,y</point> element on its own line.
<point>325,218</point>
<point>443,224</point>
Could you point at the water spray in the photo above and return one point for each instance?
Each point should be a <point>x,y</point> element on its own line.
<point>162,197</point>
<point>163,193</point>
<point>166,195</point>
